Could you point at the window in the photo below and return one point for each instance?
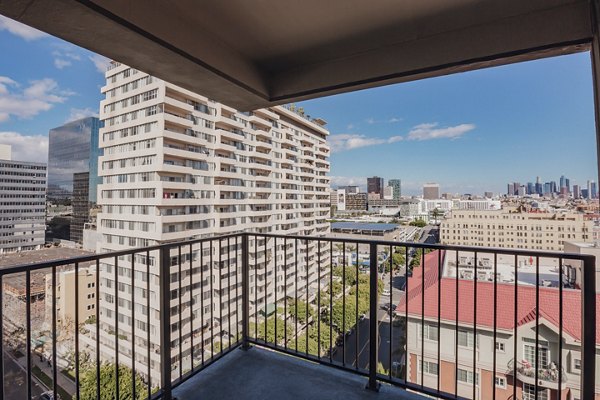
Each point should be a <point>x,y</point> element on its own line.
<point>529,352</point>
<point>465,339</point>
<point>429,367</point>
<point>430,332</point>
<point>500,347</point>
<point>467,376</point>
<point>501,382</point>
<point>576,365</point>
<point>529,392</point>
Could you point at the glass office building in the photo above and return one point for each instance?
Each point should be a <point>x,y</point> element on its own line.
<point>72,149</point>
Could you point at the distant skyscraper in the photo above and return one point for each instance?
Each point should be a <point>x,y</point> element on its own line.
<point>431,191</point>
<point>539,187</point>
<point>375,185</point>
<point>397,185</point>
<point>584,193</point>
<point>530,188</point>
<point>510,189</point>
<point>576,192</point>
<point>516,186</point>
<point>563,182</point>
<point>73,148</point>
<point>547,188</point>
<point>593,190</point>
<point>568,185</point>
<point>554,188</point>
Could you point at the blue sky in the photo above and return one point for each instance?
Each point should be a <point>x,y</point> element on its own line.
<point>469,132</point>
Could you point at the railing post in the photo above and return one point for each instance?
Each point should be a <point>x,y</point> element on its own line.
<point>165,321</point>
<point>373,323</point>
<point>588,328</point>
<point>245,292</point>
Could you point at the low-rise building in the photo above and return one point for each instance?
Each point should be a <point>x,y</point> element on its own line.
<point>510,228</point>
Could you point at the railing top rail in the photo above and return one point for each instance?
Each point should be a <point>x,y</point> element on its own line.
<point>93,257</point>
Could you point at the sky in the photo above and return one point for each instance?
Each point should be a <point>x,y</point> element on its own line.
<point>469,132</point>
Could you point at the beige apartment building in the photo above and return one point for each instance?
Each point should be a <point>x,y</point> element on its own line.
<point>509,228</point>
<point>65,295</point>
<point>177,166</point>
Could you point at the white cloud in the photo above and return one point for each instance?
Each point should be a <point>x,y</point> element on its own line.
<point>23,31</point>
<point>370,121</point>
<point>64,58</point>
<point>336,181</point>
<point>100,62</point>
<point>429,131</point>
<point>393,120</point>
<point>40,95</point>
<point>349,141</point>
<point>26,148</point>
<point>79,113</point>
<point>60,63</point>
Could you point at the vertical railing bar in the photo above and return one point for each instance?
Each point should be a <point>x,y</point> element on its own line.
<point>117,327</point>
<point>237,293</point>
<point>560,321</point>
<point>344,303</point>
<point>191,290</point>
<point>97,329</point>
<point>165,321</point>
<point>319,299</point>
<point>537,323</point>
<point>285,313</point>
<point>422,314</point>
<point>77,331</point>
<point>475,328</point>
<point>266,286</point>
<point>296,292</point>
<point>54,335</point>
<point>202,317</point>
<point>212,301</point>
<point>133,391</point>
<point>515,342</point>
<point>28,322</point>
<point>439,312</point>
<point>588,328</point>
<point>2,330</point>
<point>307,299</point>
<point>149,372</point>
<point>330,301</point>
<point>406,314</point>
<point>373,325</point>
<point>391,262</point>
<point>220,295</point>
<point>228,293</point>
<point>357,330</point>
<point>245,291</point>
<point>275,286</point>
<point>495,327</point>
<point>456,332</point>
<point>180,301</point>
<point>255,287</point>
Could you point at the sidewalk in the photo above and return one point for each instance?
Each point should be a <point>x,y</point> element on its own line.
<point>62,381</point>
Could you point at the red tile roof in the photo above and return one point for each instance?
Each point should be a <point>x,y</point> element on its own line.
<point>505,306</point>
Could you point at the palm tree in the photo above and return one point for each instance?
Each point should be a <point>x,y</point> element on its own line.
<point>435,214</point>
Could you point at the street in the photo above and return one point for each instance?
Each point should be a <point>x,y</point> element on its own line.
<point>356,344</point>
<point>15,381</point>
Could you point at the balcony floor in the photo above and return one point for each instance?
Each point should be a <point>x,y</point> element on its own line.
<point>261,374</point>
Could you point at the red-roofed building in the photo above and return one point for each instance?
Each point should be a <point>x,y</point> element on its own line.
<point>457,309</point>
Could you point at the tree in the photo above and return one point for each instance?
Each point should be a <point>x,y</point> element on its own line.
<point>298,311</point>
<point>87,383</point>
<point>419,223</point>
<point>436,213</point>
<point>270,330</point>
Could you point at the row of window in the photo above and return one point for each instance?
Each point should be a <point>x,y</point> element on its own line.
<point>130,131</point>
<point>133,100</point>
<point>129,194</point>
<point>128,162</point>
<point>8,165</point>
<point>133,146</point>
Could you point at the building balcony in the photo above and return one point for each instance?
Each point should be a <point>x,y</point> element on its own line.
<point>277,297</point>
<point>546,377</point>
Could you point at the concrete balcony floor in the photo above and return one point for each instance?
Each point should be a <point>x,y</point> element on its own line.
<point>263,374</point>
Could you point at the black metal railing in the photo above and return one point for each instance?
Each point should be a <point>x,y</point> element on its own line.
<point>444,321</point>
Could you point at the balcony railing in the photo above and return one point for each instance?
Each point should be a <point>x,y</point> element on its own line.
<point>547,375</point>
<point>380,309</point>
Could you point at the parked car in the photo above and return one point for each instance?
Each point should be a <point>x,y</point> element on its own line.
<point>48,396</point>
<point>386,292</point>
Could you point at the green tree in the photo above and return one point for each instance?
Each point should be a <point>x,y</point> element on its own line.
<point>298,311</point>
<point>418,222</point>
<point>270,330</point>
<point>87,383</point>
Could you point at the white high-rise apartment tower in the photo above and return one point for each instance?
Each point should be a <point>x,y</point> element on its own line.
<point>176,166</point>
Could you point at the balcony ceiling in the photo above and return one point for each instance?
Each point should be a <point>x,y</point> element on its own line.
<point>251,54</point>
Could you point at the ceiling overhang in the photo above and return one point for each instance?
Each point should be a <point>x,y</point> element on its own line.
<point>252,54</point>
